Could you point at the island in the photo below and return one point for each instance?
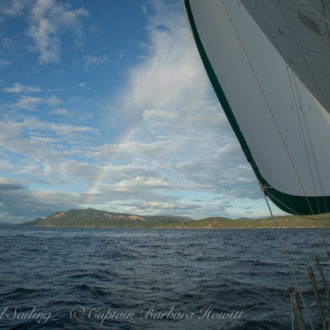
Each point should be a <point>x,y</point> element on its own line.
<point>92,218</point>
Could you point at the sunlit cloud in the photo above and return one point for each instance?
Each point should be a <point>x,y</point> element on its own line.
<point>47,20</point>
<point>63,112</point>
<point>31,103</point>
<point>90,61</point>
<point>19,88</point>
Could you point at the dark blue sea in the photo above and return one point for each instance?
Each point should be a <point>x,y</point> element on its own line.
<point>71,278</point>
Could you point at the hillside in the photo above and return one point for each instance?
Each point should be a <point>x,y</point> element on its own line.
<point>289,221</point>
<point>95,218</point>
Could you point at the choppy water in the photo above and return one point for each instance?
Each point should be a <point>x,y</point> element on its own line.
<point>151,279</point>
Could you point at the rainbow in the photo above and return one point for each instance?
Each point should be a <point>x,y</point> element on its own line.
<point>105,169</point>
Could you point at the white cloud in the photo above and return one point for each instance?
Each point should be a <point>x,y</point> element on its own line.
<point>32,103</point>
<point>92,61</point>
<point>47,21</point>
<point>34,139</point>
<point>53,100</point>
<point>172,72</point>
<point>225,172</point>
<point>84,86</point>
<point>157,207</point>
<point>4,64</point>
<point>141,183</point>
<point>63,112</point>
<point>28,103</point>
<point>86,116</point>
<point>19,88</point>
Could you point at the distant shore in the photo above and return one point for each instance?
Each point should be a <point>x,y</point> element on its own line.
<point>202,228</point>
<point>91,218</point>
<point>211,223</point>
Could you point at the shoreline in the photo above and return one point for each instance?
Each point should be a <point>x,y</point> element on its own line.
<point>205,228</point>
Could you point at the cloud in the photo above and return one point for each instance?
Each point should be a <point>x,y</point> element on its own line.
<point>86,116</point>
<point>171,73</point>
<point>198,115</point>
<point>19,204</point>
<point>42,141</point>
<point>19,88</point>
<point>169,90</point>
<point>12,8</point>
<point>78,169</point>
<point>8,43</point>
<point>141,183</point>
<point>225,172</point>
<point>84,86</point>
<point>47,21</point>
<point>63,112</point>
<point>28,103</point>
<point>32,103</point>
<point>157,207</point>
<point>4,64</point>
<point>93,61</point>
<point>8,185</point>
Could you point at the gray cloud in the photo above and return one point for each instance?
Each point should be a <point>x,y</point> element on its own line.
<point>19,204</point>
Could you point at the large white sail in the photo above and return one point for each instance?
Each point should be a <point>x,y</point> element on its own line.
<point>283,130</point>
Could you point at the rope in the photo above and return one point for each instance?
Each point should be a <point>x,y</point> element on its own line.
<point>314,11</point>
<point>312,149</point>
<point>302,131</point>
<point>292,314</point>
<point>288,260</point>
<point>315,162</point>
<point>306,150</point>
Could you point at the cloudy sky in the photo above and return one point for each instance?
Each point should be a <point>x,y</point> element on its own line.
<point>106,104</point>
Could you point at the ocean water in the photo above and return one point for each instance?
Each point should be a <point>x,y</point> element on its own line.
<point>70,278</point>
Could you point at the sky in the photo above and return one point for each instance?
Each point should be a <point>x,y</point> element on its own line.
<point>106,104</point>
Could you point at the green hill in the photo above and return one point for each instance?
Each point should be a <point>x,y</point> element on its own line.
<point>289,221</point>
<point>95,218</point>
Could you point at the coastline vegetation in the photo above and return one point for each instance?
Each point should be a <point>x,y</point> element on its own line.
<point>90,218</point>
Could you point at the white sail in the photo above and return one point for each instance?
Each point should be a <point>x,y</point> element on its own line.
<point>283,130</point>
<point>300,30</point>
